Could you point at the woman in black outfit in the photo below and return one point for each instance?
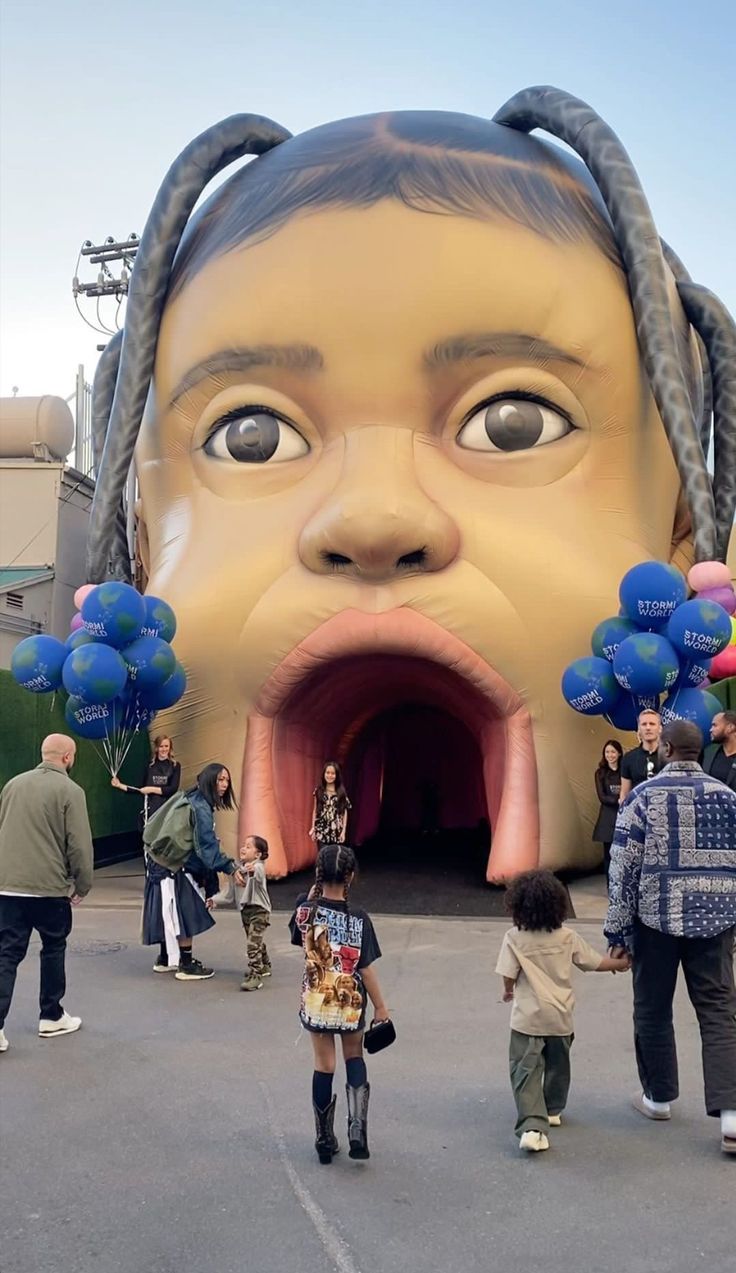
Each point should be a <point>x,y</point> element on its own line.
<point>162,778</point>
<point>608,789</point>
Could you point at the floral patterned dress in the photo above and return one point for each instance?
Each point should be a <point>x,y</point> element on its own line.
<point>329,816</point>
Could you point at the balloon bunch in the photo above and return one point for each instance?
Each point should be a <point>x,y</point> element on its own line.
<point>117,666</point>
<point>659,643</point>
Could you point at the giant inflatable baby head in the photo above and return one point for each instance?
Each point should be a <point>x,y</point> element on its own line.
<point>408,396</point>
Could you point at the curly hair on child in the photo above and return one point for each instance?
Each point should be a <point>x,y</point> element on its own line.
<point>537,901</point>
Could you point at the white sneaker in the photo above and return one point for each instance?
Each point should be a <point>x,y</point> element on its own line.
<point>533,1142</point>
<point>728,1128</point>
<point>4,1045</point>
<point>65,1025</point>
<point>658,1111</point>
<point>554,1120</point>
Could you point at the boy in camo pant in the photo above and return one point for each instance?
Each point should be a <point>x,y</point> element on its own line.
<point>255,912</point>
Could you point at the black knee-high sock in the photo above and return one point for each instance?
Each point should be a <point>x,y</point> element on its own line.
<point>321,1088</point>
<point>163,957</point>
<point>356,1072</point>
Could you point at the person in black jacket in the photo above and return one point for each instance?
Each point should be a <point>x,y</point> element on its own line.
<point>608,790</point>
<point>719,758</point>
<point>161,780</point>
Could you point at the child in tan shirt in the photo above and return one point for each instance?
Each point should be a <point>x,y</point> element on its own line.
<point>536,961</point>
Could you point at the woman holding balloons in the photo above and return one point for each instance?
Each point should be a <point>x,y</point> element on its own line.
<point>161,780</point>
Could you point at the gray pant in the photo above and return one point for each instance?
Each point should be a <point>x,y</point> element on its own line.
<point>540,1077</point>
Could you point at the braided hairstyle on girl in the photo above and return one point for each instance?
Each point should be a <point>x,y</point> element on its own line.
<point>336,864</point>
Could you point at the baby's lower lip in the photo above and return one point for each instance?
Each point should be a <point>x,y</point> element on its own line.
<point>366,661</point>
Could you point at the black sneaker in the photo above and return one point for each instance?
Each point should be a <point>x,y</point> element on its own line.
<point>194,971</point>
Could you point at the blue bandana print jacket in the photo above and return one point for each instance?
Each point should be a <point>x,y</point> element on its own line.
<point>673,858</point>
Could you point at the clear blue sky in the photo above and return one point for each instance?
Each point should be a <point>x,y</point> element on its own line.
<point>97,99</point>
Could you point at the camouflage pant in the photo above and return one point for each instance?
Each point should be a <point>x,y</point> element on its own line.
<point>255,922</point>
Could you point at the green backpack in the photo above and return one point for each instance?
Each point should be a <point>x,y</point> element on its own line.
<point>168,836</point>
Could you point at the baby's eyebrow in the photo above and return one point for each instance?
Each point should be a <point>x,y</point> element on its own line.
<point>245,358</point>
<point>470,345</point>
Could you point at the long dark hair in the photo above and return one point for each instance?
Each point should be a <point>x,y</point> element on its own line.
<point>207,787</point>
<point>438,163</point>
<point>340,792</point>
<point>336,864</point>
<point>603,766</point>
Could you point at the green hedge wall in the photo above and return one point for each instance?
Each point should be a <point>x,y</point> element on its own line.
<point>26,719</point>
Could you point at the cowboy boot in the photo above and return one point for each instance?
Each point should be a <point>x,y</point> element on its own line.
<point>324,1123</point>
<point>358,1120</point>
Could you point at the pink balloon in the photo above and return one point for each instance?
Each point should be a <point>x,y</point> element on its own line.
<point>83,592</point>
<point>724,664</point>
<point>709,574</point>
<point>76,623</point>
<point>725,597</point>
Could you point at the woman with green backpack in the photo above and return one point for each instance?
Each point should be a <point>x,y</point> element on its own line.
<point>178,897</point>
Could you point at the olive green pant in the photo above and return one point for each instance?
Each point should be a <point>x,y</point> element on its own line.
<point>255,921</point>
<point>540,1078</point>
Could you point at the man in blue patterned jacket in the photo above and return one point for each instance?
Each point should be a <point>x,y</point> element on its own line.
<point>673,901</point>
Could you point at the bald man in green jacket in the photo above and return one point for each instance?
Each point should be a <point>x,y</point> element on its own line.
<point>46,864</point>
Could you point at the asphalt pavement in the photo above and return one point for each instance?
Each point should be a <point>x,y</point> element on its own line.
<point>174,1133</point>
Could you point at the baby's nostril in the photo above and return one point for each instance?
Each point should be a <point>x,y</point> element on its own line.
<point>416,558</point>
<point>336,559</point>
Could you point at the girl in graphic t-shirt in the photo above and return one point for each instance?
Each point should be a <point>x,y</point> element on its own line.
<point>341,948</point>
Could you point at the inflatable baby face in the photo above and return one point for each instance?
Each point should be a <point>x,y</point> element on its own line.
<point>400,456</point>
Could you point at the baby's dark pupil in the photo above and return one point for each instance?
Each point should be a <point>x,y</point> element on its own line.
<point>253,438</point>
<point>519,428</point>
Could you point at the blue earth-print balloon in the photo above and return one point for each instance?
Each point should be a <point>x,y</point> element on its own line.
<point>608,636</point>
<point>650,593</point>
<point>89,720</point>
<point>700,629</point>
<point>150,661</point>
<point>114,612</point>
<point>37,662</point>
<point>160,620</point>
<point>589,686</point>
<point>624,714</point>
<point>697,706</point>
<point>170,692</point>
<point>95,673</point>
<point>80,637</point>
<point>646,663</point>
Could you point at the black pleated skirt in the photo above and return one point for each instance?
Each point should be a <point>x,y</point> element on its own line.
<point>193,915</point>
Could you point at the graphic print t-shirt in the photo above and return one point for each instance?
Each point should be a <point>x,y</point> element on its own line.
<point>337,943</point>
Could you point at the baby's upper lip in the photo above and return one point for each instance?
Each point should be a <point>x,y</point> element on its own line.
<point>401,631</point>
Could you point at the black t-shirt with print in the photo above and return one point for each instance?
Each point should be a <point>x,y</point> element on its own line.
<point>638,765</point>
<point>338,942</point>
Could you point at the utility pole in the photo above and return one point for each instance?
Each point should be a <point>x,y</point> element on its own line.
<point>107,254</point>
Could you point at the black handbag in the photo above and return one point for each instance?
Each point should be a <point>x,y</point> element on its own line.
<point>379,1035</point>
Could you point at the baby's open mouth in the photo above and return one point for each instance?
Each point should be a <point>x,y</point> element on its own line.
<point>320,702</point>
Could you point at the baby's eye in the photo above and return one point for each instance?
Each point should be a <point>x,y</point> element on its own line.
<point>255,437</point>
<point>513,424</point>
